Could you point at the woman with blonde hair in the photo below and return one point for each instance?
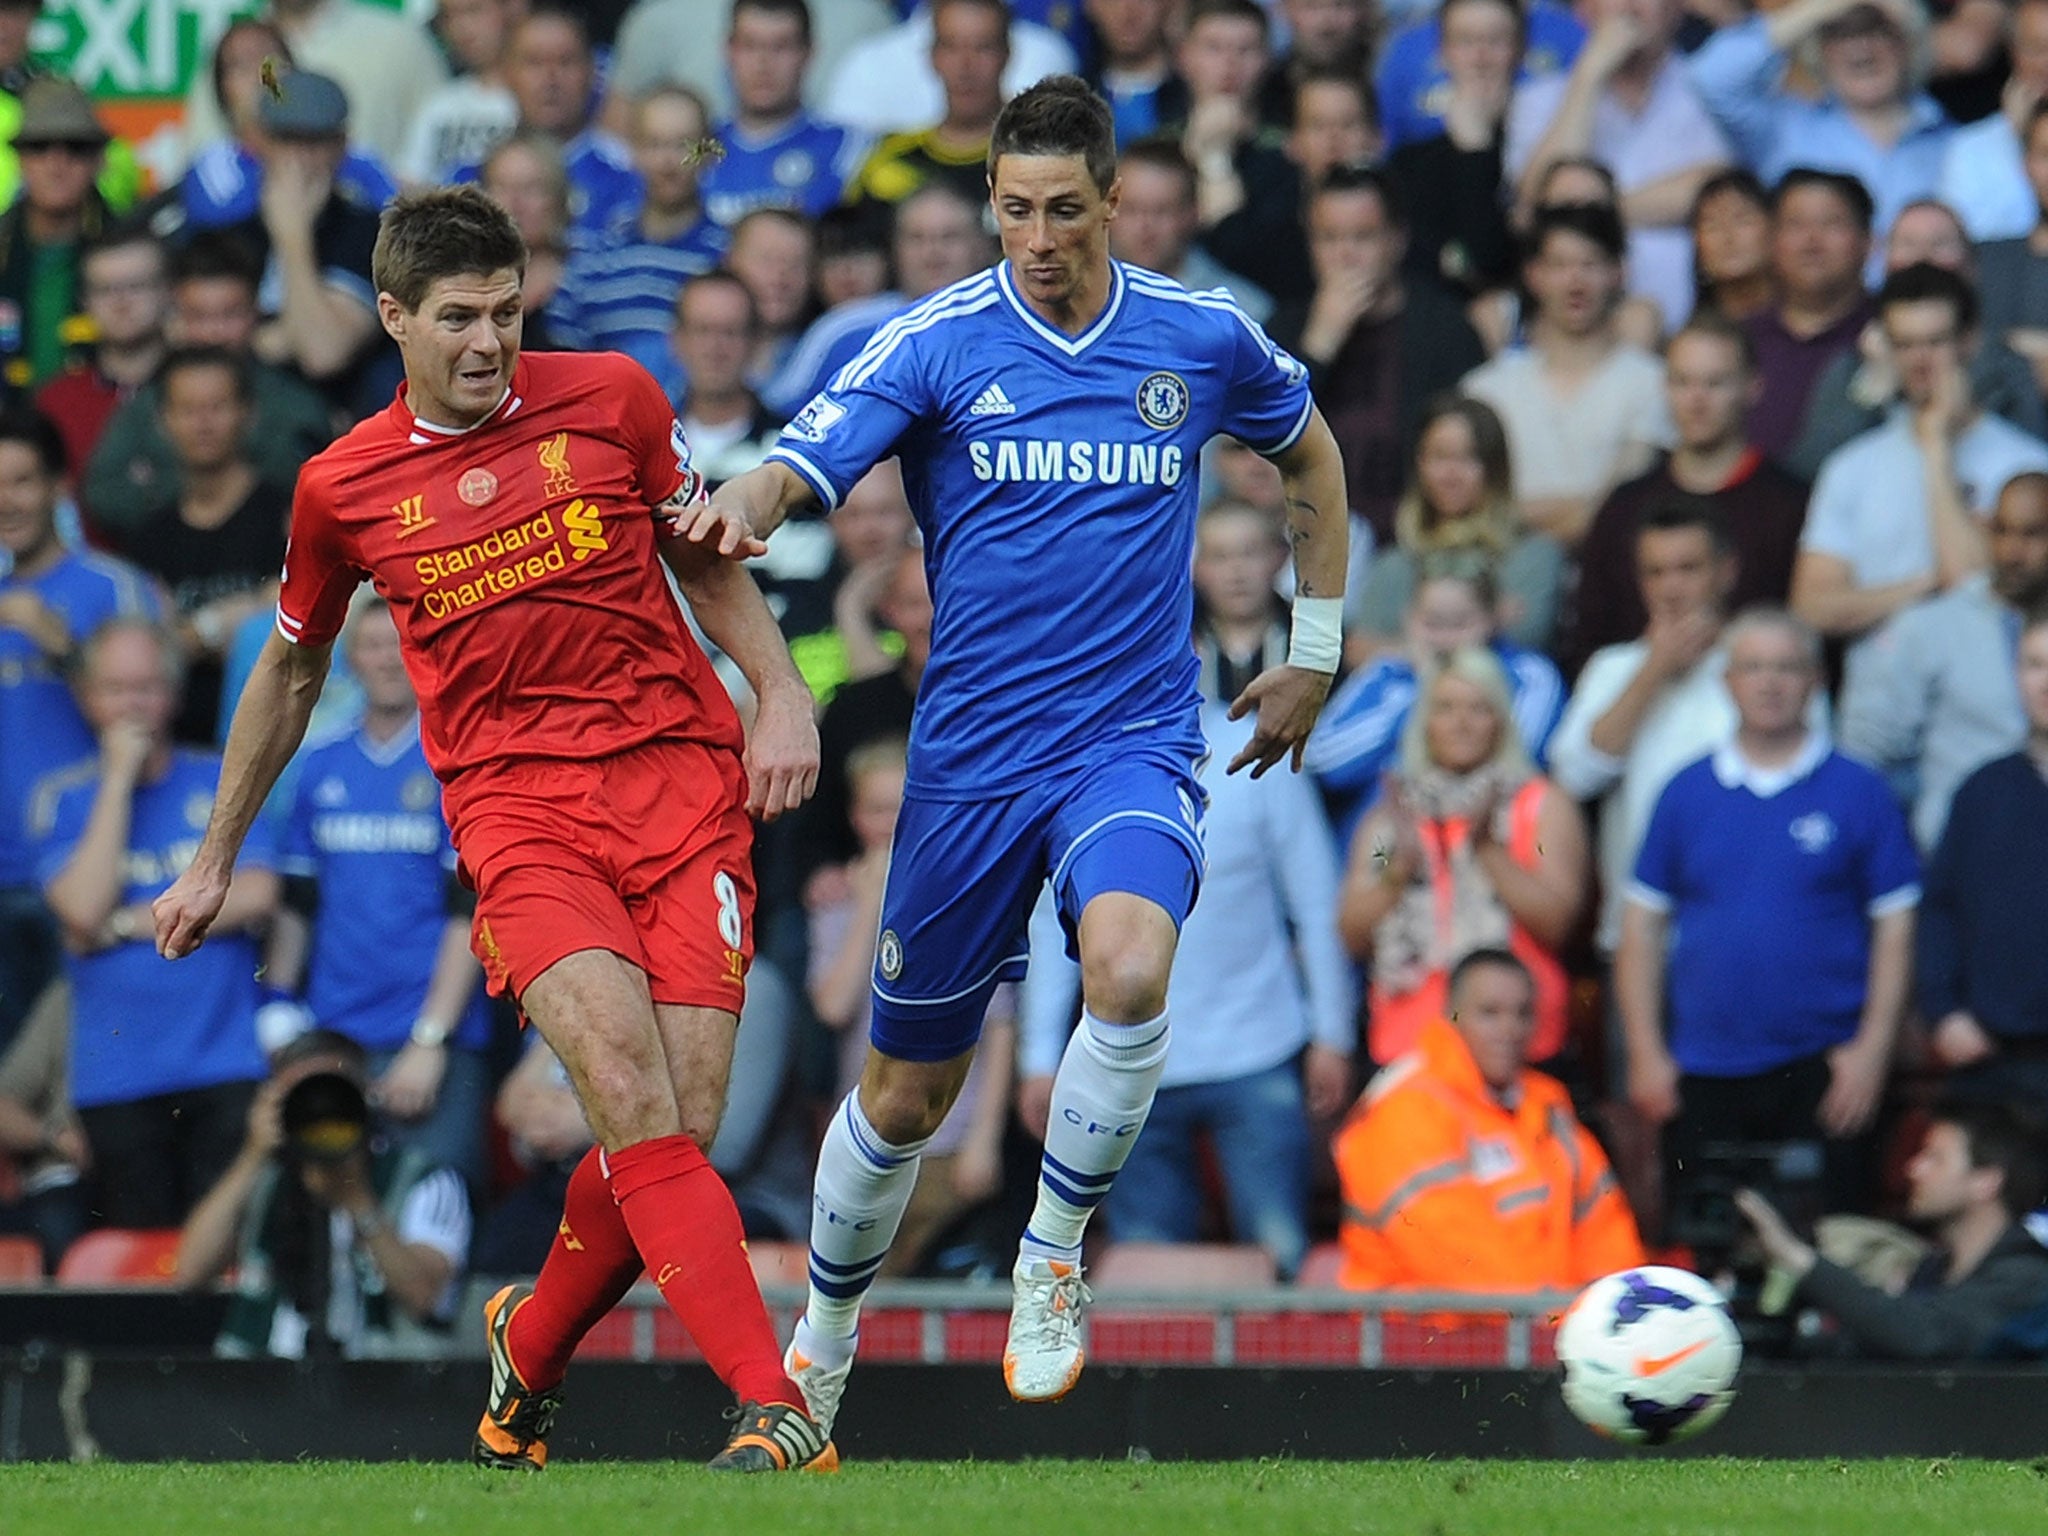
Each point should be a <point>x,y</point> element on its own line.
<point>1460,499</point>
<point>1469,848</point>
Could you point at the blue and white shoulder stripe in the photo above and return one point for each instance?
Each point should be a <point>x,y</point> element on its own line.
<point>966,297</point>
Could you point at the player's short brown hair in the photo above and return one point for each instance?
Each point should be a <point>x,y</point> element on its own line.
<point>1060,115</point>
<point>442,232</point>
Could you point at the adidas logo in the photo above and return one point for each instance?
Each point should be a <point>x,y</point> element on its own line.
<point>992,402</point>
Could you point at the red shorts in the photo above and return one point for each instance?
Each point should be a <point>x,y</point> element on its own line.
<point>648,854</point>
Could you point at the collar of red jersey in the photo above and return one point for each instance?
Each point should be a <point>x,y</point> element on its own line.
<point>420,431</point>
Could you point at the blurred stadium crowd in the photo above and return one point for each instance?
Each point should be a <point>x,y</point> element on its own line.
<point>1688,365</point>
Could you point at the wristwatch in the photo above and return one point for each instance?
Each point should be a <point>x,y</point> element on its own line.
<point>430,1032</point>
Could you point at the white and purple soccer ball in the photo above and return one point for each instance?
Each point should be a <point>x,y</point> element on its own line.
<point>1649,1355</point>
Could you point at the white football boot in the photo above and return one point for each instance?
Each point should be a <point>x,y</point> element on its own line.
<point>1043,1358</point>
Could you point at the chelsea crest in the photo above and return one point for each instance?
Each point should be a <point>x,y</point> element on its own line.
<point>1163,400</point>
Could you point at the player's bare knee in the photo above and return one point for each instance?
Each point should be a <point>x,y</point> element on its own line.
<point>1126,985</point>
<point>906,1101</point>
<point>625,1103</point>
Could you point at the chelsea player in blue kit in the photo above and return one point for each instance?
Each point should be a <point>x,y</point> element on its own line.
<point>1048,414</point>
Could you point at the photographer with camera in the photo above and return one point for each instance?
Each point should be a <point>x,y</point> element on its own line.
<point>1973,1181</point>
<point>341,1246</point>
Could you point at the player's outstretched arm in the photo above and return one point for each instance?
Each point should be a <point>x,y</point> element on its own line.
<point>269,723</point>
<point>1289,697</point>
<point>741,513</point>
<point>782,747</point>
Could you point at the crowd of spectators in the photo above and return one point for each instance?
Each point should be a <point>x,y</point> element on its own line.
<point>1683,794</point>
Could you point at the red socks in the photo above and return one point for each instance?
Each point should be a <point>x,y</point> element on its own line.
<point>592,1264</point>
<point>687,1230</point>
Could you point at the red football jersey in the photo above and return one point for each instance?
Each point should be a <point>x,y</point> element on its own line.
<point>520,563</point>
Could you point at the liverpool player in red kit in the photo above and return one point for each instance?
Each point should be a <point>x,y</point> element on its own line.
<point>515,512</point>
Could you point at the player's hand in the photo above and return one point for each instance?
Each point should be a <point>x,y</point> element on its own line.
<point>412,1082</point>
<point>1856,1073</point>
<point>186,911</point>
<point>1326,1081</point>
<point>722,524</point>
<point>782,753</point>
<point>1034,1105</point>
<point>1287,699</point>
<point>1653,1086</point>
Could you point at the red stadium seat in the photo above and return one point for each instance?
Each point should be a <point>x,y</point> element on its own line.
<point>118,1256</point>
<point>1181,1267</point>
<point>1319,1271</point>
<point>21,1261</point>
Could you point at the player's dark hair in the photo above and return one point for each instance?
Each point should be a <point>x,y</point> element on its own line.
<point>1234,10</point>
<point>185,359</point>
<point>1717,326</point>
<point>1925,283</point>
<point>26,425</point>
<point>1589,221</point>
<point>1341,180</point>
<point>720,277</point>
<point>438,233</point>
<point>2005,1137</point>
<point>1675,514</point>
<point>796,10</point>
<point>215,255</point>
<point>1852,193</point>
<point>1162,152</point>
<point>1489,957</point>
<point>1058,116</point>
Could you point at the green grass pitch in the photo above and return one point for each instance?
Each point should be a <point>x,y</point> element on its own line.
<point>1643,1497</point>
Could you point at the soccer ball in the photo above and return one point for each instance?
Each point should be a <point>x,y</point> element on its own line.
<point>1649,1355</point>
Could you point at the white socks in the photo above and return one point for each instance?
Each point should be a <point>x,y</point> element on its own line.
<point>863,1185</point>
<point>1099,1103</point>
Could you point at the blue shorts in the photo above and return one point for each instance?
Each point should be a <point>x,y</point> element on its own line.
<point>965,874</point>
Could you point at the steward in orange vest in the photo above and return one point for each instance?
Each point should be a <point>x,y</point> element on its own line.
<point>1461,1169</point>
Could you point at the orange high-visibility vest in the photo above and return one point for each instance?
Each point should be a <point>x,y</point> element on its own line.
<point>1445,1187</point>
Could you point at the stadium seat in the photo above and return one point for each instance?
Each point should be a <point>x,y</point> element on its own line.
<point>1181,1267</point>
<point>118,1256</point>
<point>21,1261</point>
<point>1319,1271</point>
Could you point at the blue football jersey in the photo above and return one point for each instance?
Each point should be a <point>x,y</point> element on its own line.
<point>41,729</point>
<point>142,1025</point>
<point>807,165</point>
<point>1054,479</point>
<point>365,823</point>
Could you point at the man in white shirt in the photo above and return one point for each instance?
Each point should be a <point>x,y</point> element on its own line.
<point>1264,1019</point>
<point>1897,513</point>
<point>1584,410</point>
<point>1628,103</point>
<point>466,118</point>
<point>886,83</point>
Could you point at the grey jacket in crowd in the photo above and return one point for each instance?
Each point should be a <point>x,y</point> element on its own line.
<point>1934,1320</point>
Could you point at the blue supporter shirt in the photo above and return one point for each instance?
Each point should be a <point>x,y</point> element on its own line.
<point>618,294</point>
<point>1771,897</point>
<point>365,823</point>
<point>1413,86</point>
<point>806,165</point>
<point>41,729</point>
<point>141,1025</point>
<point>225,184</point>
<point>1054,479</point>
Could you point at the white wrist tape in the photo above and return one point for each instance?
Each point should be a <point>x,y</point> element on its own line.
<point>1316,642</point>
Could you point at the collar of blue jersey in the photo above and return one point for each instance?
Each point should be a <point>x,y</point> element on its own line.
<point>1737,772</point>
<point>1072,346</point>
<point>385,753</point>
